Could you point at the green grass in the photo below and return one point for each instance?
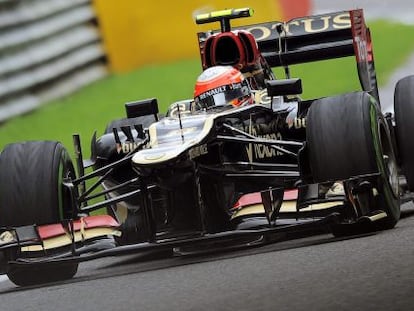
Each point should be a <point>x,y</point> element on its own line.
<point>391,48</point>
<point>94,106</point>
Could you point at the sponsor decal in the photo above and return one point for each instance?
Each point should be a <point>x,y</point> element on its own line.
<point>182,107</point>
<point>258,151</point>
<point>217,90</point>
<point>197,151</point>
<point>260,96</point>
<point>309,25</point>
<point>127,147</point>
<point>6,237</point>
<point>362,50</point>
<point>296,123</point>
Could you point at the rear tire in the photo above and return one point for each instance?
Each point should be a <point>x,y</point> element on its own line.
<point>404,126</point>
<point>32,192</point>
<point>347,136</point>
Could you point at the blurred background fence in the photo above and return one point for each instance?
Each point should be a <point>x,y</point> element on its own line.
<point>50,48</point>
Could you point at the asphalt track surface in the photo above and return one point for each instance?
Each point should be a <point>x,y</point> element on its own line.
<point>372,272</point>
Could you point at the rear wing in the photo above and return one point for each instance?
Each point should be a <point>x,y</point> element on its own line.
<point>315,38</point>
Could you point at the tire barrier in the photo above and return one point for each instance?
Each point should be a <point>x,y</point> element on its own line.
<point>48,49</point>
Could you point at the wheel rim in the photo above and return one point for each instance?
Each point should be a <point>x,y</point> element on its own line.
<point>389,161</point>
<point>65,200</point>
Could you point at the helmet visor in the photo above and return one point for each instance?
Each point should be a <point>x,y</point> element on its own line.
<point>230,94</point>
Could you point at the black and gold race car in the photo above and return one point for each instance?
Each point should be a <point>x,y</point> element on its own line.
<point>205,178</point>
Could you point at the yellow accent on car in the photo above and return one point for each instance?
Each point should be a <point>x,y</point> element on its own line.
<point>66,239</point>
<point>225,13</point>
<point>202,16</point>
<point>287,207</point>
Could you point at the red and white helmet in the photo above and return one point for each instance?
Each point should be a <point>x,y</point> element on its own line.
<point>221,86</point>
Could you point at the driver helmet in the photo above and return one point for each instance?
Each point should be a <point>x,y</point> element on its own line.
<point>220,86</point>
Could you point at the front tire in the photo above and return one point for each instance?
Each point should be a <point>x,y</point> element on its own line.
<point>32,192</point>
<point>347,136</point>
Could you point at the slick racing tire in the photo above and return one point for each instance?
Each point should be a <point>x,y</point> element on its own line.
<point>404,126</point>
<point>31,176</point>
<point>347,136</point>
<point>32,192</point>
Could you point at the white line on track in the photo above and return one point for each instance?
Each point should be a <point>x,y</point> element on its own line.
<point>3,278</point>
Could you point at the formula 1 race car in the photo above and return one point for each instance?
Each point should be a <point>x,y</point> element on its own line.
<point>210,177</point>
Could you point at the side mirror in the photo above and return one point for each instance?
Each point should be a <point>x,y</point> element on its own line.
<point>284,87</point>
<point>142,108</point>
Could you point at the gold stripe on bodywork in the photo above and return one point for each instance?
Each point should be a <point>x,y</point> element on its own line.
<point>287,207</point>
